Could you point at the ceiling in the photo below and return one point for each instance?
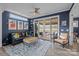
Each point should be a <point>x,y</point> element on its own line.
<point>45,8</point>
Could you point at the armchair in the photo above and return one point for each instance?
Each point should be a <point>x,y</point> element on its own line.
<point>63,39</point>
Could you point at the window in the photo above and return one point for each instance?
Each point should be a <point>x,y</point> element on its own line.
<point>17,17</point>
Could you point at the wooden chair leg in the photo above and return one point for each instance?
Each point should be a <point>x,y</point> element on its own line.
<point>63,45</point>
<point>68,45</point>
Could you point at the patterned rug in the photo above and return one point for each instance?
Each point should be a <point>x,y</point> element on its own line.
<point>37,49</point>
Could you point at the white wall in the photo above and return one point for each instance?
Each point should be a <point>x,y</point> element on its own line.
<point>0,28</point>
<point>73,13</point>
<point>1,25</point>
<point>1,10</point>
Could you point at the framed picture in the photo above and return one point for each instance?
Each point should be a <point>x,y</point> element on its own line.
<point>75,23</point>
<point>12,24</point>
<point>20,25</point>
<point>64,23</point>
<point>25,25</point>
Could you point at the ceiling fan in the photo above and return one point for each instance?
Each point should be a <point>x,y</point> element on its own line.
<point>36,11</point>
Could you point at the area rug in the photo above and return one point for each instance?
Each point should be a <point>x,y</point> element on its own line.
<point>37,49</point>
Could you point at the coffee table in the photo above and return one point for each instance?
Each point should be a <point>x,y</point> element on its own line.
<point>30,40</point>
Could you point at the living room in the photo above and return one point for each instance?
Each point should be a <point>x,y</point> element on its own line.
<point>39,29</point>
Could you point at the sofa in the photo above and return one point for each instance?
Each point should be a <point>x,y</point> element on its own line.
<point>17,37</point>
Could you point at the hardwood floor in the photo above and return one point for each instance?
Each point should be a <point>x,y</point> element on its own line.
<point>58,50</point>
<point>54,50</point>
<point>2,52</point>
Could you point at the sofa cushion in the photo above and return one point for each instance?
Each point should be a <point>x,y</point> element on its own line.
<point>26,34</point>
<point>16,35</point>
<point>63,38</point>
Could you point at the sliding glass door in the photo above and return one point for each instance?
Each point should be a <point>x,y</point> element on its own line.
<point>48,28</point>
<point>54,28</point>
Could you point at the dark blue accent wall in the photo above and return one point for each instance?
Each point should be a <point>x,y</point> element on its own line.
<point>63,16</point>
<point>5,30</point>
<point>76,29</point>
<point>31,29</point>
<point>4,25</point>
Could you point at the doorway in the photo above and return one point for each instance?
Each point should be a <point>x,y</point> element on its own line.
<point>48,28</point>
<point>75,34</point>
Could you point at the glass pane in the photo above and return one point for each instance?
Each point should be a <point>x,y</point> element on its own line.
<point>17,17</point>
<point>41,27</point>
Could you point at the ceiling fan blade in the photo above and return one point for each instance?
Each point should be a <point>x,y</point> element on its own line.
<point>36,11</point>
